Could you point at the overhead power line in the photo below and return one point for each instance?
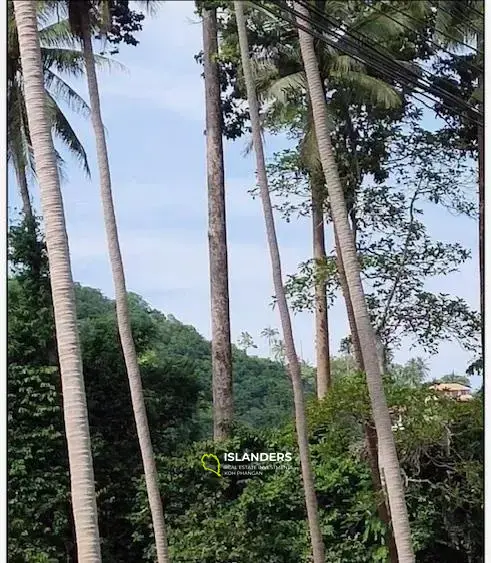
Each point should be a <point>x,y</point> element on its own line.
<point>461,14</point>
<point>443,34</point>
<point>351,48</point>
<point>380,51</point>
<point>438,46</point>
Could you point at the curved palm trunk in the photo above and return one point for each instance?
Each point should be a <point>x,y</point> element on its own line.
<point>293,363</point>
<point>375,474</point>
<point>122,309</point>
<point>320,297</point>
<point>74,400</point>
<point>381,415</point>
<point>221,350</point>
<point>368,428</point>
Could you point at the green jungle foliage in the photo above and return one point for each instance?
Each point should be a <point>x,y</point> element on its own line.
<point>215,519</point>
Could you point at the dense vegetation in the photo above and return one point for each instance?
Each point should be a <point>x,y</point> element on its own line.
<point>213,519</point>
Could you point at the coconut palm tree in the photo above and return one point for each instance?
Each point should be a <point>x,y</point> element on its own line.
<point>58,57</point>
<point>271,335</point>
<point>281,81</point>
<point>293,363</point>
<point>221,350</point>
<point>366,334</point>
<point>74,400</point>
<point>80,16</point>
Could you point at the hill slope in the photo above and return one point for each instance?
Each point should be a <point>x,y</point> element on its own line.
<point>262,391</point>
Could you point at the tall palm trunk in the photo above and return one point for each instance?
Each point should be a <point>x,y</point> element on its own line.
<point>74,400</point>
<point>320,297</point>
<point>381,415</point>
<point>293,363</point>
<point>221,351</point>
<point>122,308</point>
<point>368,427</point>
<point>375,474</point>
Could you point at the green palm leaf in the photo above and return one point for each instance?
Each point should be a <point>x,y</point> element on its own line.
<point>282,87</point>
<point>64,131</point>
<point>71,61</point>
<point>59,89</point>
<point>342,64</point>
<point>369,88</point>
<point>457,22</point>
<point>58,34</point>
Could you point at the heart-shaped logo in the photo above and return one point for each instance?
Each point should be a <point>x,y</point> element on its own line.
<point>214,466</point>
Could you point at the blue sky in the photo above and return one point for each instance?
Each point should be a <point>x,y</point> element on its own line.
<point>153,113</point>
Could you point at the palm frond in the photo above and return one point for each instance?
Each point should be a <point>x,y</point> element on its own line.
<point>63,60</point>
<point>377,25</point>
<point>19,146</point>
<point>337,9</point>
<point>58,35</point>
<point>71,61</point>
<point>264,71</point>
<point>343,63</point>
<point>47,10</point>
<point>477,95</point>
<point>309,151</point>
<point>60,164</point>
<point>455,24</point>
<point>281,88</point>
<point>249,144</point>
<point>64,131</point>
<point>369,88</point>
<point>419,10</point>
<point>60,89</point>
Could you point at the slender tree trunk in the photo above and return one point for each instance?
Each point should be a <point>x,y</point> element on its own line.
<point>74,400</point>
<point>480,148</point>
<point>221,350</point>
<point>20,173</point>
<point>355,340</point>
<point>122,308</point>
<point>320,298</point>
<point>293,363</point>
<point>375,473</point>
<point>481,232</point>
<point>369,430</point>
<point>381,415</point>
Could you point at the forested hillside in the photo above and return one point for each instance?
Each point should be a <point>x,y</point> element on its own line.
<point>261,388</point>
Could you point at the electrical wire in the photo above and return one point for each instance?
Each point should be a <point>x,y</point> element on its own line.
<point>388,57</point>
<point>383,70</point>
<point>439,47</point>
<point>417,20</point>
<point>462,14</point>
